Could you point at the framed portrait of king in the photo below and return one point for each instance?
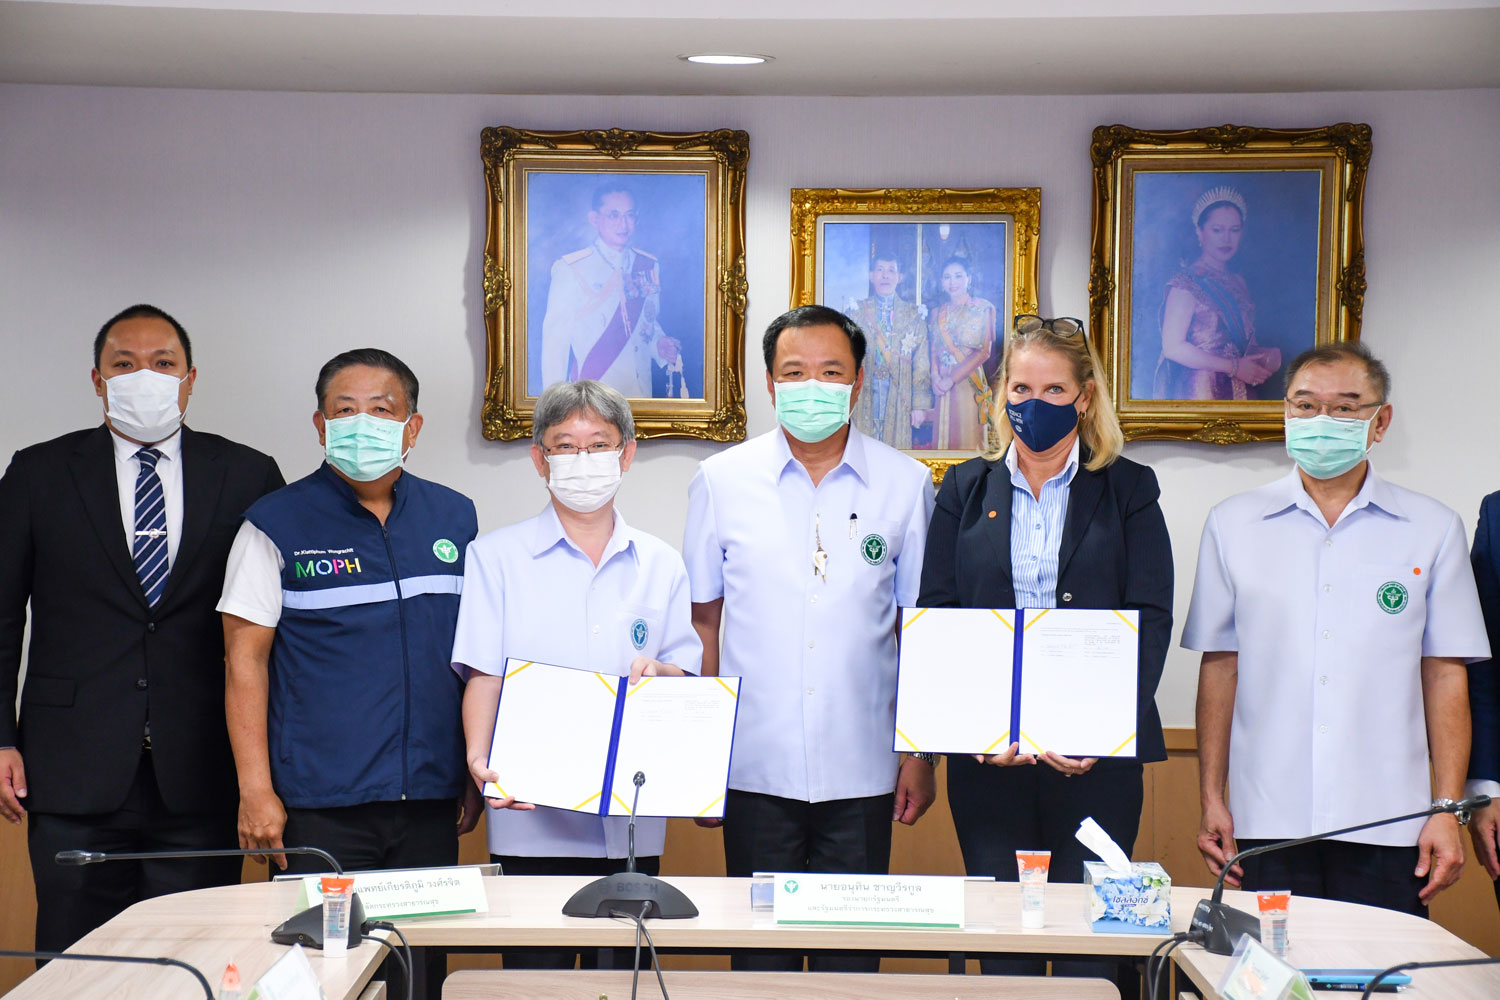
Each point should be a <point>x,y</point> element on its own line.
<point>619,256</point>
<point>934,277</point>
<point>1219,255</point>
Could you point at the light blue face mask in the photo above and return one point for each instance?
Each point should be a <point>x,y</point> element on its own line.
<point>364,447</point>
<point>812,410</point>
<point>1326,447</point>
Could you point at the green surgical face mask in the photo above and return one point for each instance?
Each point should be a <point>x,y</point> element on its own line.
<point>1325,447</point>
<point>812,410</point>
<point>363,447</point>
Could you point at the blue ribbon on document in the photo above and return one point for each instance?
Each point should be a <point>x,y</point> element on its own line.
<point>607,792</point>
<point>1015,677</point>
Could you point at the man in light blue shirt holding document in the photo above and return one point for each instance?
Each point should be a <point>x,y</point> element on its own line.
<point>576,587</point>
<point>802,543</point>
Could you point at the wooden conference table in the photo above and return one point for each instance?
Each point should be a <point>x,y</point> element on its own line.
<point>209,927</point>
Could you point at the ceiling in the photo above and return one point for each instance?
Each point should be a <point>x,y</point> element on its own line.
<point>872,47</point>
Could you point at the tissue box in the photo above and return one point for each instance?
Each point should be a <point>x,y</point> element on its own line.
<point>1138,903</point>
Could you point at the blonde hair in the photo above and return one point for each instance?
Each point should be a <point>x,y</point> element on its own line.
<point>1098,427</point>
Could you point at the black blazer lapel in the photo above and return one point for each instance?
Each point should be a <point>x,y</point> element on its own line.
<point>997,489</point>
<point>1084,494</point>
<point>202,483</point>
<point>93,470</point>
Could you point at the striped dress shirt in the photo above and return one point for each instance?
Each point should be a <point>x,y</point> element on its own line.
<point>1036,527</point>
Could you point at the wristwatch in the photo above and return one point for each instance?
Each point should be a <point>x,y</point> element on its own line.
<point>1462,815</point>
<point>927,758</point>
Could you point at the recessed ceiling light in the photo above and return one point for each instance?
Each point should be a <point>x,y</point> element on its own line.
<point>726,59</point>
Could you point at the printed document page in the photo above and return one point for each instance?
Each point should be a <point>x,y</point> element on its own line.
<point>677,731</point>
<point>1078,682</point>
<point>953,688</point>
<point>551,742</point>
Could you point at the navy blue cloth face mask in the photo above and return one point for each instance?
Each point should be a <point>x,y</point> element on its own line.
<point>1039,424</point>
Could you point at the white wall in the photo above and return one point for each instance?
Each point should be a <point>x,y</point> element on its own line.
<point>282,228</point>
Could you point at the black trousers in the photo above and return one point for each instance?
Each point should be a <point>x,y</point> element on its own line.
<point>766,833</point>
<point>1334,869</point>
<point>1000,810</point>
<point>566,958</point>
<point>72,901</point>
<point>416,833</point>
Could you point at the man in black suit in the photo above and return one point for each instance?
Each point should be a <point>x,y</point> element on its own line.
<point>117,536</point>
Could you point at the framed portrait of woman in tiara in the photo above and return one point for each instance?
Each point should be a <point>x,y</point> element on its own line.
<point>1219,255</point>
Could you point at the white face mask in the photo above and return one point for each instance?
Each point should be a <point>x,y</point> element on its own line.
<point>143,405</point>
<point>584,482</point>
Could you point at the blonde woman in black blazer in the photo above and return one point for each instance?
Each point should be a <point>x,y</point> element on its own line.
<point>1092,536</point>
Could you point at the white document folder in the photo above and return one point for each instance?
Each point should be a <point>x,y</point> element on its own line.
<point>574,739</point>
<point>976,680</point>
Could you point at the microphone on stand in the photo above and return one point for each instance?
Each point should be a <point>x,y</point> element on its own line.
<point>1409,966</point>
<point>78,956</point>
<point>618,892</point>
<point>1217,925</point>
<point>305,928</point>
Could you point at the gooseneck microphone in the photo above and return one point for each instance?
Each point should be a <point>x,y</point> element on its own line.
<point>78,956</point>
<point>305,928</point>
<point>1218,926</point>
<point>1411,966</point>
<point>639,779</point>
<point>630,889</point>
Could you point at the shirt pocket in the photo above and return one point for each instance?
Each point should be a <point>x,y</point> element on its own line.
<point>873,543</point>
<point>639,628</point>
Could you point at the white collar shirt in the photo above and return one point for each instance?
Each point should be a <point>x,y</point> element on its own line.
<point>1330,625</point>
<point>168,470</point>
<point>818,657</point>
<point>531,593</point>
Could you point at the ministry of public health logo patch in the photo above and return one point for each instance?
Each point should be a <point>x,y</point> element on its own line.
<point>790,885</point>
<point>873,548</point>
<point>445,550</point>
<point>1391,597</point>
<point>638,633</point>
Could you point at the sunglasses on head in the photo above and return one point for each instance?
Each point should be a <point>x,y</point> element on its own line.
<point>1062,326</point>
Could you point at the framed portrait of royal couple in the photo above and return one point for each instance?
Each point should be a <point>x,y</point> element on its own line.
<point>1218,255</point>
<point>934,277</point>
<point>617,255</point>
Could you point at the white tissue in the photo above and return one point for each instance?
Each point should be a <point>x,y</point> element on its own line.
<point>1092,836</point>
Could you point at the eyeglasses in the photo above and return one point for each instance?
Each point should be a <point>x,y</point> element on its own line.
<point>597,448</point>
<point>1307,406</point>
<point>1062,326</point>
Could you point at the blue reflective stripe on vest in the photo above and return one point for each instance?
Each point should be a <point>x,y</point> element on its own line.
<point>370,593</point>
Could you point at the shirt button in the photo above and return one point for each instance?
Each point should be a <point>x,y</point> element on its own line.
<point>1038,527</point>
<point>1322,729</point>
<point>809,690</point>
<point>596,630</point>
<point>1323,679</point>
<point>811,643</point>
<point>1327,588</point>
<point>1328,542</point>
<point>141,684</point>
<point>1067,597</point>
<point>151,626</point>
<point>1325,633</point>
<point>815,598</point>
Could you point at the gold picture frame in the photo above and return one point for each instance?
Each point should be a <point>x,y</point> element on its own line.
<point>981,241</point>
<point>1196,348</point>
<point>619,255</point>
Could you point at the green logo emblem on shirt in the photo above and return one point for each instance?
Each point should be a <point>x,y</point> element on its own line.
<point>790,885</point>
<point>445,550</point>
<point>873,548</point>
<point>1391,597</point>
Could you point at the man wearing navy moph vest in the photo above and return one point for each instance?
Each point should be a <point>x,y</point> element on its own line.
<point>339,606</point>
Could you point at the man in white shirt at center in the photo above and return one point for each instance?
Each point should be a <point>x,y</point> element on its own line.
<point>802,543</point>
